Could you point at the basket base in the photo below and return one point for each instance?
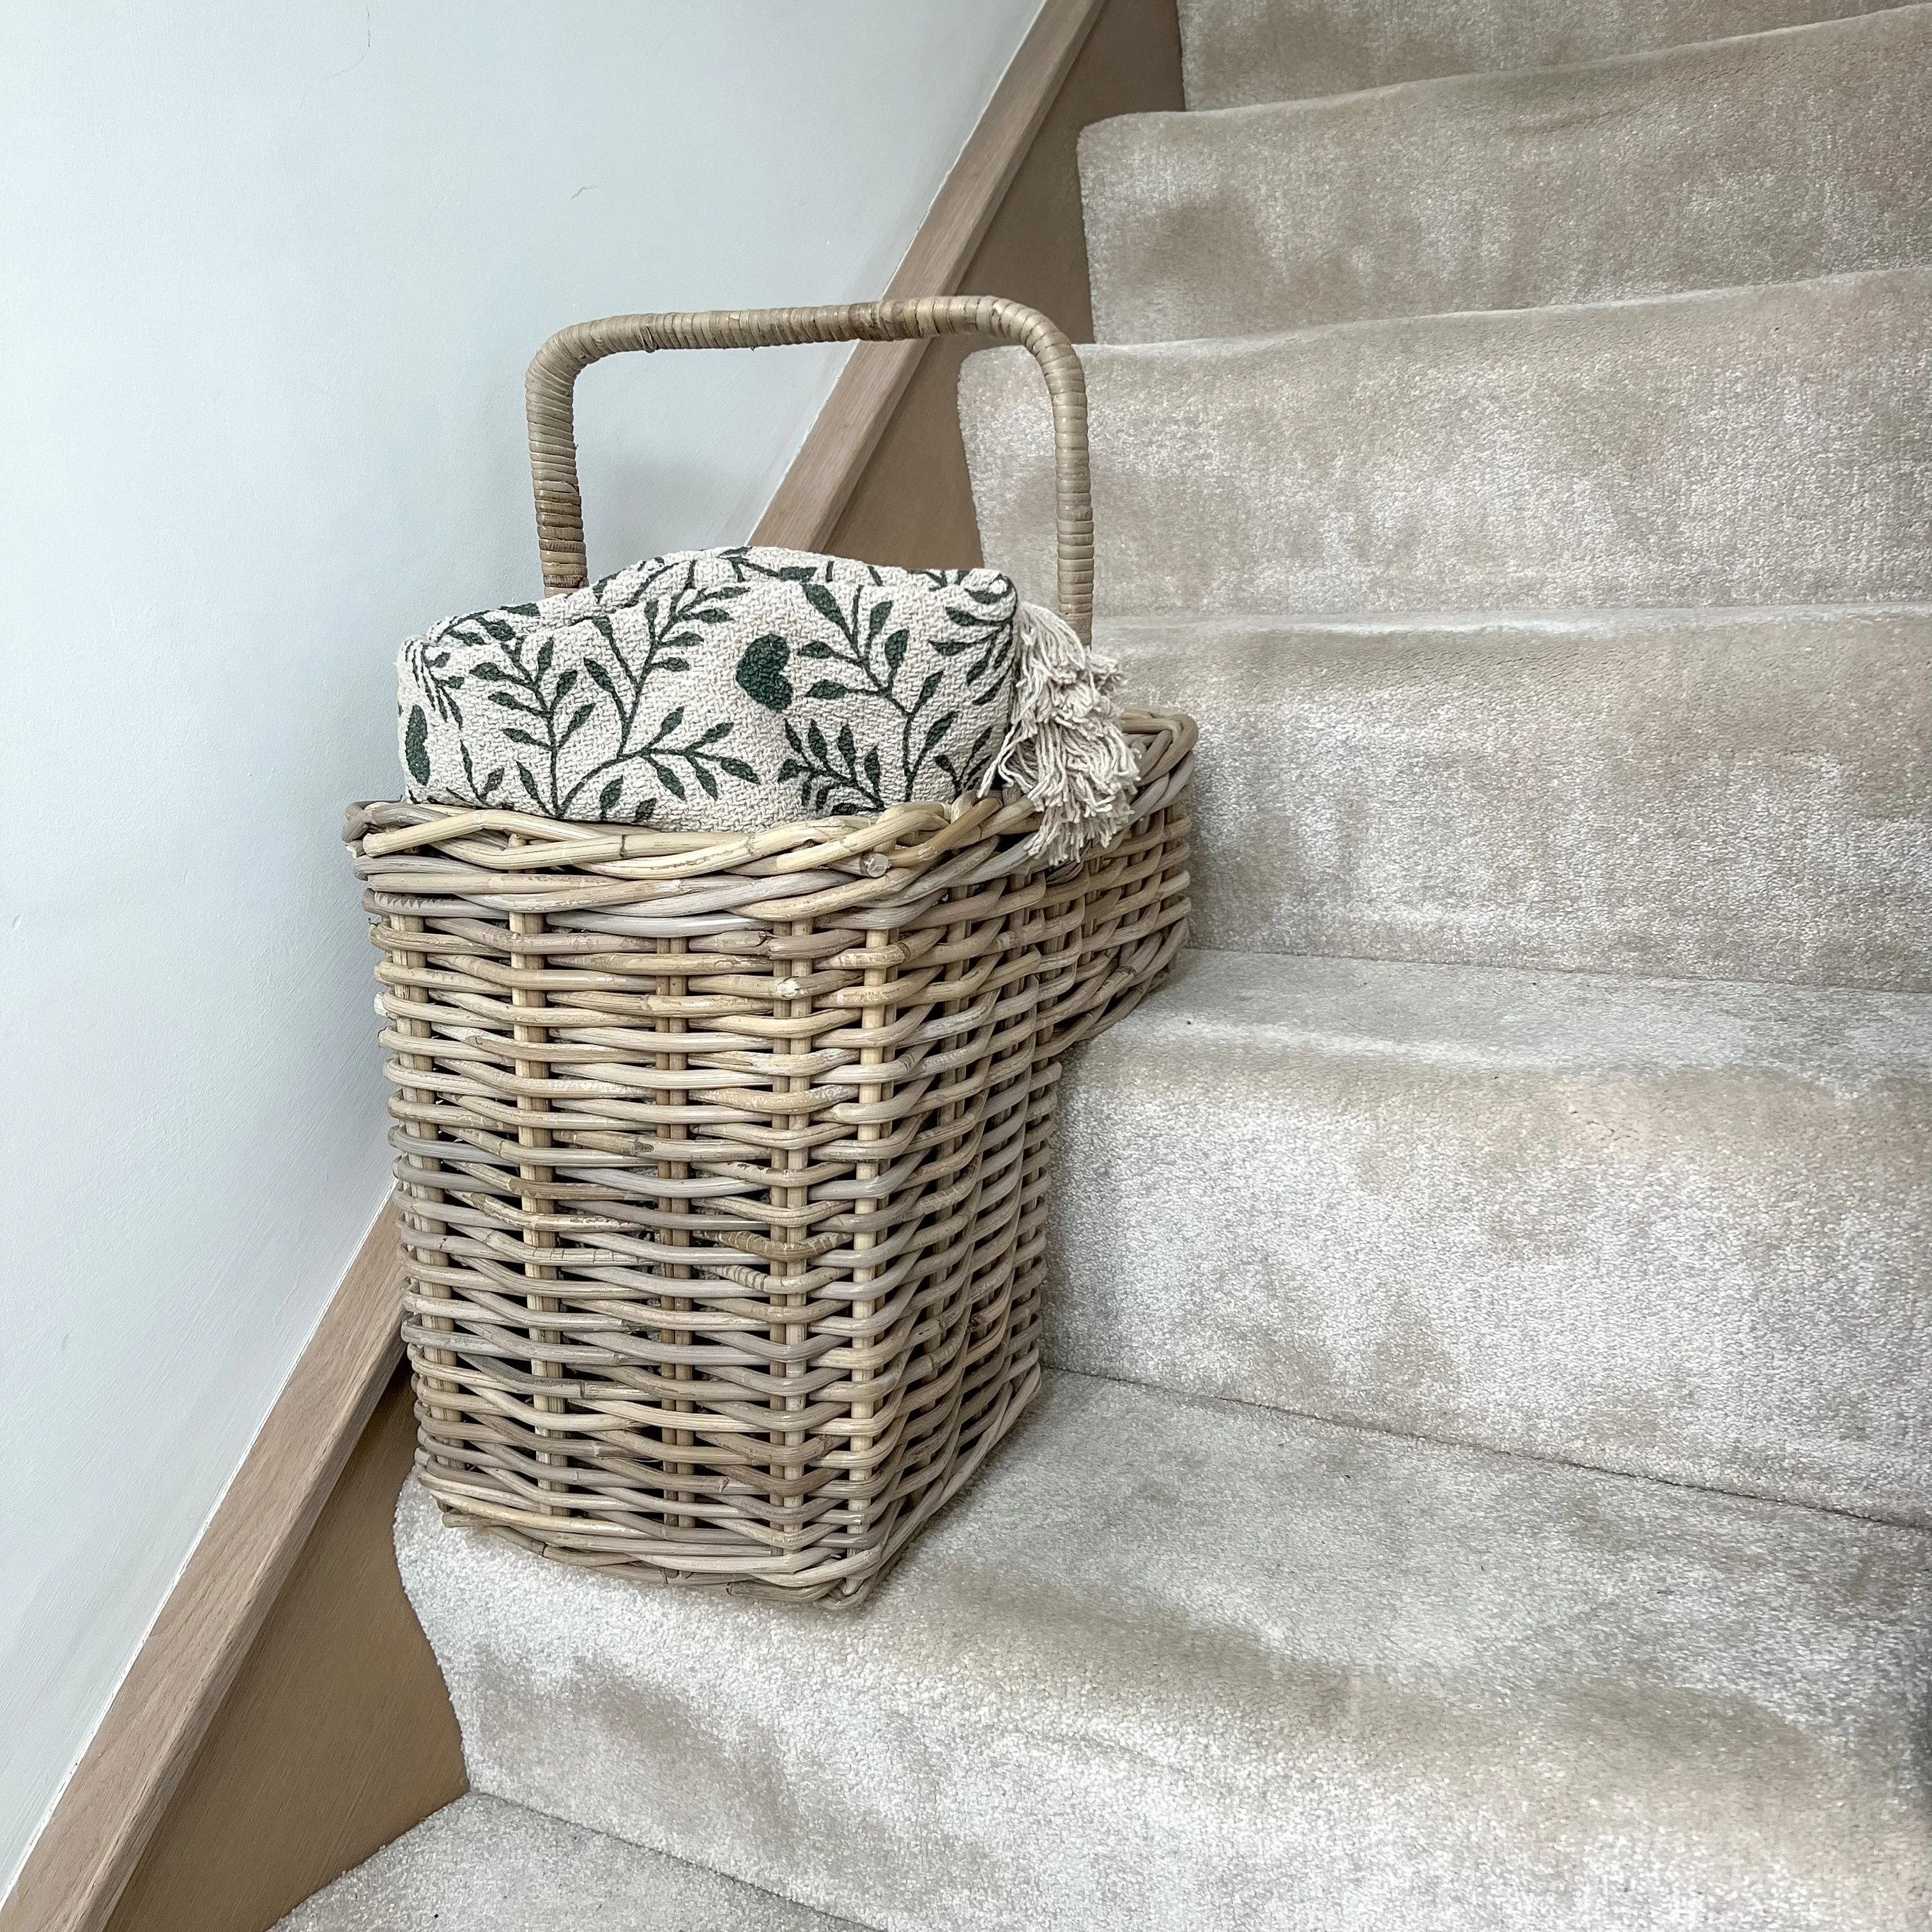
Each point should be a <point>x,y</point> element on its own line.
<point>850,1587</point>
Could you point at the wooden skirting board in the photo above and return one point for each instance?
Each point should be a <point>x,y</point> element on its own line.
<point>807,504</point>
<point>909,500</point>
<point>285,1718</point>
<point>182,1674</point>
<point>337,1737</point>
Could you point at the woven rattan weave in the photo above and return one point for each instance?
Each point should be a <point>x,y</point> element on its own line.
<point>723,1158</point>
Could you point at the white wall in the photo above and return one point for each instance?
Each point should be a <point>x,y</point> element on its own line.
<point>271,274</point>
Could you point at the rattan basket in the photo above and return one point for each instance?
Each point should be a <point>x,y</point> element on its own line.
<point>722,1159</point>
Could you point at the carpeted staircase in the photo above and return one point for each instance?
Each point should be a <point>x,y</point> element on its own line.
<point>1487,1484</point>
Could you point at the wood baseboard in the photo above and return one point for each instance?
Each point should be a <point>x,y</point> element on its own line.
<point>910,501</point>
<point>199,1806</point>
<point>806,507</point>
<point>337,1737</point>
<point>75,1874</point>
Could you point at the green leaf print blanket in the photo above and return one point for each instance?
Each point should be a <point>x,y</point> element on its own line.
<point>730,689</point>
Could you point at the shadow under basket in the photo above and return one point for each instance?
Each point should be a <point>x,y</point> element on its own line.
<point>723,1159</point>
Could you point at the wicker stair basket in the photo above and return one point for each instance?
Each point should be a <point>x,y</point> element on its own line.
<point>722,1158</point>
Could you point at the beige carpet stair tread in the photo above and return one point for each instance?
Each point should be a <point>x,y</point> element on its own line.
<point>1762,445</point>
<point>1714,793</point>
<point>1770,157</point>
<point>481,1865</point>
<point>1236,52</point>
<point>1674,1228</point>
<point>1171,1664</point>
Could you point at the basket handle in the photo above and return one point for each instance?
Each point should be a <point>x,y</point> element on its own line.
<point>548,391</point>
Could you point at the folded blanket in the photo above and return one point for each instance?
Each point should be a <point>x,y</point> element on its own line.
<point>744,688</point>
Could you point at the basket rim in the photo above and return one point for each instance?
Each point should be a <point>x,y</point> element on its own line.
<point>910,834</point>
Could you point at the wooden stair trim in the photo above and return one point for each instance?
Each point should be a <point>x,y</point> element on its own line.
<point>806,506</point>
<point>78,1866</point>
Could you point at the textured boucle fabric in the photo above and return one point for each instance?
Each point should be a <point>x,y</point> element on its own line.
<point>1171,1664</point>
<point>480,1865</point>
<point>1236,51</point>
<point>1728,794</point>
<point>740,687</point>
<point>1765,446</point>
<point>1677,1228</point>
<point>1760,159</point>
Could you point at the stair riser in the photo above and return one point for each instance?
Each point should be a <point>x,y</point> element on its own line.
<point>1724,795</point>
<point>1677,1232</point>
<point>1755,446</point>
<point>1237,52</point>
<point>1764,159</point>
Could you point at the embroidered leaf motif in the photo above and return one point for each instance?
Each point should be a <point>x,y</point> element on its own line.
<point>488,785</point>
<point>429,671</point>
<point>820,597</point>
<point>533,677</point>
<point>574,688</point>
<point>761,670</point>
<point>416,745</point>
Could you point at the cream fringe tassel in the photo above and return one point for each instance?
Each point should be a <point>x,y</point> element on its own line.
<point>1064,748</point>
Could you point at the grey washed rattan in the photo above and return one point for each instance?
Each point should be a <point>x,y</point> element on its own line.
<point>723,1157</point>
<point>550,387</point>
